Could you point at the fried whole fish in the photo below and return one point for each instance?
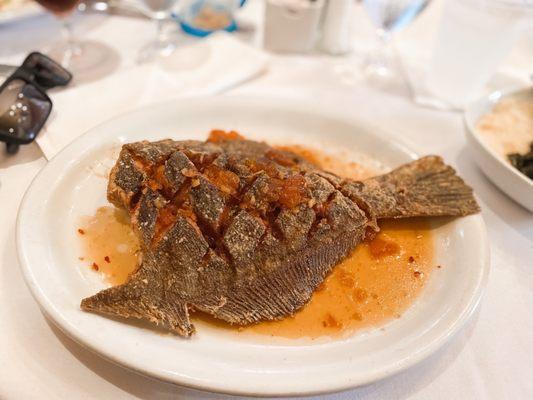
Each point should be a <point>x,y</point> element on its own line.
<point>246,232</point>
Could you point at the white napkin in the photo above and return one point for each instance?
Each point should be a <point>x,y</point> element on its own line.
<point>416,75</point>
<point>207,67</point>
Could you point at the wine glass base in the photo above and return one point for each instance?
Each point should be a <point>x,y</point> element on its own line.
<point>381,75</point>
<point>378,71</point>
<point>154,50</point>
<point>86,60</point>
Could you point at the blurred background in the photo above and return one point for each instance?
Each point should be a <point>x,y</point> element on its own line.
<point>440,53</point>
<point>408,67</point>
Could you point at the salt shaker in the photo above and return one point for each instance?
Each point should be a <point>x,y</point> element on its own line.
<point>292,25</point>
<point>336,27</point>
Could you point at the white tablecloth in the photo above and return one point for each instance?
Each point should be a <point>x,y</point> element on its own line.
<point>491,358</point>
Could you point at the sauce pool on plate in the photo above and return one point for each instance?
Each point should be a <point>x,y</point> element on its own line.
<point>376,283</point>
<point>109,245</point>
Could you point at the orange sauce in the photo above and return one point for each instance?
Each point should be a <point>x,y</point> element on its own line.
<point>109,245</point>
<point>376,283</point>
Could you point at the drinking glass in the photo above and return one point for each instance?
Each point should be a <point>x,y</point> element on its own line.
<point>76,56</point>
<point>474,36</point>
<point>388,16</point>
<point>161,45</point>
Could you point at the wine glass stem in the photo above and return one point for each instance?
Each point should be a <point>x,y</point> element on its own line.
<point>378,61</point>
<point>72,48</point>
<point>160,35</point>
<point>384,38</point>
<point>385,48</point>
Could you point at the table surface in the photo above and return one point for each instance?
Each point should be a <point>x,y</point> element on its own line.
<point>491,358</point>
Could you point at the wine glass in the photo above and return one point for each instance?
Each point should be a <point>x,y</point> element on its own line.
<point>79,57</point>
<point>161,45</point>
<point>388,16</point>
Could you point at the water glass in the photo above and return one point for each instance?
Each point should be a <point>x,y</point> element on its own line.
<point>388,16</point>
<point>161,45</point>
<point>473,37</point>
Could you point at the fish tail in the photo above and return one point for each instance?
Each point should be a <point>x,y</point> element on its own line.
<point>422,188</point>
<point>126,301</point>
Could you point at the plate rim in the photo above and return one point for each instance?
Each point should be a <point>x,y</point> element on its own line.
<point>46,306</point>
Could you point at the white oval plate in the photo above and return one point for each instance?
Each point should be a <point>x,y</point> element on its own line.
<point>73,184</point>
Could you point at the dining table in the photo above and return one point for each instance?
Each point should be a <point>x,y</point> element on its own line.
<point>491,357</point>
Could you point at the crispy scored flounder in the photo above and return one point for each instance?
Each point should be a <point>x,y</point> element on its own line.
<point>246,232</point>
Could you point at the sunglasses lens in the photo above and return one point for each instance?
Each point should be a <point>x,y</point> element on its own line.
<point>48,73</point>
<point>23,111</point>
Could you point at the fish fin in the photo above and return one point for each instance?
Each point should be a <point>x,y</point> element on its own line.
<point>422,188</point>
<point>128,301</point>
<point>287,289</point>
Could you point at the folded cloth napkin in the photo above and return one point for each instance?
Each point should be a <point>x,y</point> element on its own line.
<point>210,66</point>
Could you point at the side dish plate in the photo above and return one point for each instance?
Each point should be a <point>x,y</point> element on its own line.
<point>511,181</point>
<point>73,184</point>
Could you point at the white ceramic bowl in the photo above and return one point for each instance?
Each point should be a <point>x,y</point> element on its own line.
<point>511,181</point>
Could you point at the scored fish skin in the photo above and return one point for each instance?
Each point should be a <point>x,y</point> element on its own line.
<point>246,232</point>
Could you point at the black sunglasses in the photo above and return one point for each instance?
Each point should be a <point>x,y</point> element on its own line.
<point>24,104</point>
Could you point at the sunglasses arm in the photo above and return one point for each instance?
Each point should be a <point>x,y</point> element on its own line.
<point>12,148</point>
